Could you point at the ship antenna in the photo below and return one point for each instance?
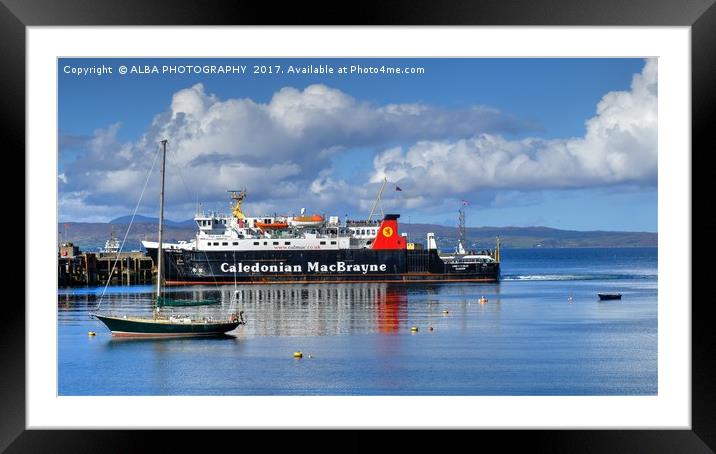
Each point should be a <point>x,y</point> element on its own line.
<point>377,199</point>
<point>461,229</point>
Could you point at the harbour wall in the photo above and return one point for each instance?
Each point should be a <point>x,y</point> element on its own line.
<point>90,269</point>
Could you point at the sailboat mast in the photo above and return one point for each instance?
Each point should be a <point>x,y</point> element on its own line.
<point>160,252</point>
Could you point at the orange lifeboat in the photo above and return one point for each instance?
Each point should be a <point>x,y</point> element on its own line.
<point>316,219</point>
<point>271,225</point>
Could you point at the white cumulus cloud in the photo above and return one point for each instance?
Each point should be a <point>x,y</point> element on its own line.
<point>284,151</point>
<point>619,147</point>
<point>278,149</point>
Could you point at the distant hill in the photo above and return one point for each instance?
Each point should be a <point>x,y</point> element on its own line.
<point>526,237</point>
<point>139,219</point>
<point>90,236</point>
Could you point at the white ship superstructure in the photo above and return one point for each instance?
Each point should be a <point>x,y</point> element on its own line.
<point>236,231</point>
<point>308,248</point>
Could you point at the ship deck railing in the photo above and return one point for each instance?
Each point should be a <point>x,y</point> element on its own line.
<point>302,237</point>
<point>363,223</point>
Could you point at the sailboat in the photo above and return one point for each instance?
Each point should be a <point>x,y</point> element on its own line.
<point>160,325</point>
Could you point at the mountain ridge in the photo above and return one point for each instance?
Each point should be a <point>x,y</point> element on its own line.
<point>139,219</point>
<point>92,235</point>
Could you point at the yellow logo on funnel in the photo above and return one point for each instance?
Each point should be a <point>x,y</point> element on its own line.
<point>387,231</point>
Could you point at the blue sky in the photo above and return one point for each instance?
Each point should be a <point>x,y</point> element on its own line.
<point>565,143</point>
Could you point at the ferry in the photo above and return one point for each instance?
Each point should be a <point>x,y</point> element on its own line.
<point>236,248</point>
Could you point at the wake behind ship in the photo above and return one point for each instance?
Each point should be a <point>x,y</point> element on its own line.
<point>234,248</point>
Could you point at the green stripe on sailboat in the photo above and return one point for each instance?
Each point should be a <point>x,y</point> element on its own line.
<point>164,301</point>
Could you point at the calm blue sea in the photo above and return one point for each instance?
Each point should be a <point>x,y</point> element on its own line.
<point>528,339</point>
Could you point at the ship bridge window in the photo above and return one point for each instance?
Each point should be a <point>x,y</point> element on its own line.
<point>333,242</point>
<point>236,243</point>
<point>216,243</point>
<point>323,242</point>
<point>265,243</point>
<point>275,243</point>
<point>287,243</point>
<point>224,243</point>
<point>256,243</point>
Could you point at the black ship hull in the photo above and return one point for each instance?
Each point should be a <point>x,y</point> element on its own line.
<point>315,266</point>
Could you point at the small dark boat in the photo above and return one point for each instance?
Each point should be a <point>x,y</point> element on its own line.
<point>610,296</point>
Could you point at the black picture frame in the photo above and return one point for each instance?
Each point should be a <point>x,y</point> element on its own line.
<point>700,15</point>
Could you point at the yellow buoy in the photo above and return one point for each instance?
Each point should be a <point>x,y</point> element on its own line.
<point>414,329</point>
<point>91,333</point>
<point>445,312</point>
<point>297,355</point>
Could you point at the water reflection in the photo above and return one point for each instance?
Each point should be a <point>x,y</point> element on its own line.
<point>160,344</point>
<point>391,309</point>
<point>324,310</point>
<point>300,310</point>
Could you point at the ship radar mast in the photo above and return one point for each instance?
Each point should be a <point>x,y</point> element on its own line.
<point>377,200</point>
<point>238,197</point>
